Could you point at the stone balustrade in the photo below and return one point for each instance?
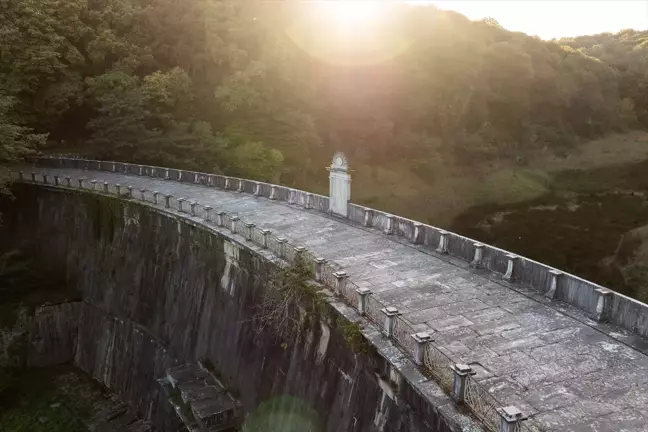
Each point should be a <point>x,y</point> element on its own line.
<point>419,346</point>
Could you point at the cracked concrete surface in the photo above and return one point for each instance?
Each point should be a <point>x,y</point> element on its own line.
<point>563,370</point>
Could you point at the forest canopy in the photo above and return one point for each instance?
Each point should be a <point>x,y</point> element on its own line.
<point>260,90</point>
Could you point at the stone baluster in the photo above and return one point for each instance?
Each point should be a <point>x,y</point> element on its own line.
<point>81,180</point>
<point>309,201</point>
<point>510,419</point>
<point>273,192</point>
<point>368,217</point>
<point>418,233</point>
<point>118,187</point>
<point>443,242</point>
<point>249,231</point>
<point>141,170</point>
<point>114,167</point>
<point>68,181</point>
<point>180,202</point>
<point>167,200</point>
<point>33,176</point>
<point>105,188</point>
<point>21,175</point>
<point>196,178</point>
<point>193,208</point>
<point>56,180</point>
<point>389,229</point>
<point>461,374</point>
<point>266,235</point>
<point>44,178</point>
<point>94,184</point>
<point>180,175</point>
<point>601,303</point>
<point>241,186</point>
<point>422,340</point>
<point>554,284</point>
<point>509,276</point>
<point>257,189</point>
<point>207,216</point>
<point>390,313</point>
<point>143,194</point>
<point>340,280</point>
<point>129,194</point>
<point>292,196</point>
<point>227,183</point>
<point>363,293</point>
<point>234,227</point>
<point>156,195</point>
<point>478,259</point>
<point>219,218</point>
<point>319,268</point>
<point>166,174</point>
<point>282,246</point>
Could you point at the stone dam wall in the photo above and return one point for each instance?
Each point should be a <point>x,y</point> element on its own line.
<point>159,291</point>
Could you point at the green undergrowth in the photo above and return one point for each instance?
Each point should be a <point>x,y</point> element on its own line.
<point>31,402</point>
<point>293,304</point>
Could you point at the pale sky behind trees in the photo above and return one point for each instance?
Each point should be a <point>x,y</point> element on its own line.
<point>555,18</point>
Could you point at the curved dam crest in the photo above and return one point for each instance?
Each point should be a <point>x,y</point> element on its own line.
<point>159,291</point>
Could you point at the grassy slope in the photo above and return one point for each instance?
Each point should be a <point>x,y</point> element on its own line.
<point>456,189</point>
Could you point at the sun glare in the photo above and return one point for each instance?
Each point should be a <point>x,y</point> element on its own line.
<point>353,14</point>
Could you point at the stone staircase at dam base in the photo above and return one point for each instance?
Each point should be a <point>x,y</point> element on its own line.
<point>200,400</point>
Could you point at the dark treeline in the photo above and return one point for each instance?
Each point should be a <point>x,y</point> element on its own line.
<point>269,90</point>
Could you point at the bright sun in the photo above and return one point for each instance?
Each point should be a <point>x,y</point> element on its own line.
<point>354,14</point>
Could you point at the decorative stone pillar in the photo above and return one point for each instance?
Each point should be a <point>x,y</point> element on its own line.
<point>93,182</point>
<point>390,313</point>
<point>340,280</point>
<point>257,189</point>
<point>141,170</point>
<point>273,192</point>
<point>601,303</point>
<point>126,168</point>
<point>68,181</point>
<point>155,197</point>
<point>207,216</point>
<point>33,174</point>
<point>118,187</point>
<point>422,340</point>
<point>363,293</point>
<point>180,175</point>
<point>167,200</point>
<point>143,194</point>
<point>339,185</point>
<point>249,231</point>
<point>56,180</point>
<point>166,174</point>
<point>180,201</point>
<point>210,180</point>
<point>443,242</point>
<point>510,419</point>
<point>241,186</point>
<point>368,217</point>
<point>227,183</point>
<point>292,196</point>
<point>282,246</point>
<point>319,268</point>
<point>81,180</point>
<point>99,165</point>
<point>106,184</point>
<point>129,194</point>
<point>114,167</point>
<point>461,374</point>
<point>299,251</point>
<point>418,233</point>
<point>193,207</point>
<point>44,178</point>
<point>309,201</point>
<point>196,178</point>
<point>478,259</point>
<point>219,218</point>
<point>390,225</point>
<point>554,281</point>
<point>234,227</point>
<point>266,234</point>
<point>509,276</point>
